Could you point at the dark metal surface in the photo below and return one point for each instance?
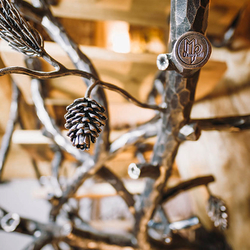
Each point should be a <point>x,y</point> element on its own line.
<point>178,98</point>
<point>230,123</point>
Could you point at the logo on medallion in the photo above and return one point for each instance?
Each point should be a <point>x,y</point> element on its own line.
<point>192,50</point>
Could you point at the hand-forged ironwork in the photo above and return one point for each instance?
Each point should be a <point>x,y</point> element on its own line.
<point>171,125</point>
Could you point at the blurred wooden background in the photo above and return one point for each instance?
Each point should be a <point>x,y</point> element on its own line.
<point>223,89</point>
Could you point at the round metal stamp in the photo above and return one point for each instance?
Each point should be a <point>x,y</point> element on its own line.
<point>192,50</point>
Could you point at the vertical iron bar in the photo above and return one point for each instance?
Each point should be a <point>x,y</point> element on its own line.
<point>186,15</point>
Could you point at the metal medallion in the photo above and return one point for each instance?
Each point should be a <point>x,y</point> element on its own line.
<point>192,50</point>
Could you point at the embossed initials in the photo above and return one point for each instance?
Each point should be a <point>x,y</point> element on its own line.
<point>192,49</point>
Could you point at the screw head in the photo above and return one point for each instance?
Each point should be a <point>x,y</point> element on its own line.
<point>133,171</point>
<point>162,62</point>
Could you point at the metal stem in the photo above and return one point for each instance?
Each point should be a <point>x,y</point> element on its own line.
<point>187,185</point>
<point>124,93</point>
<point>230,123</point>
<point>13,117</point>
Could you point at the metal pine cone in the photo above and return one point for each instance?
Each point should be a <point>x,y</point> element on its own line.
<point>17,32</point>
<point>217,211</point>
<point>84,119</point>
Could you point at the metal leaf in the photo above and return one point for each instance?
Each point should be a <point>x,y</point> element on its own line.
<point>18,32</point>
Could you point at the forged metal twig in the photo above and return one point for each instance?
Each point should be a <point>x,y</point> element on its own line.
<point>186,185</point>
<point>124,93</point>
<point>36,169</point>
<point>13,117</point>
<point>39,243</point>
<point>46,233</point>
<point>230,123</point>
<point>115,181</point>
<point>142,170</point>
<point>141,133</point>
<point>157,87</point>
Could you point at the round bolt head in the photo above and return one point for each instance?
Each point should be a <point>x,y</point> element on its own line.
<point>162,62</point>
<point>192,50</point>
<point>10,222</point>
<point>133,171</point>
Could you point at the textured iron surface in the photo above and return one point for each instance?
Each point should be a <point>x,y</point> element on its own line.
<point>186,15</point>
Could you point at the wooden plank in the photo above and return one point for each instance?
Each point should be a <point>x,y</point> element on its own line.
<point>142,12</point>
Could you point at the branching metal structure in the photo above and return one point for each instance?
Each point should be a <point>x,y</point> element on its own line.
<point>189,51</point>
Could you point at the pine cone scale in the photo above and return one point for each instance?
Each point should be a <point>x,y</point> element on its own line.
<point>84,120</point>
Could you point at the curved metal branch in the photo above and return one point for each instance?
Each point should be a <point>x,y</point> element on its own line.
<point>132,137</point>
<point>116,182</point>
<point>13,116</point>
<point>230,123</point>
<point>124,93</point>
<point>44,117</point>
<point>187,185</point>
<point>41,14</point>
<point>44,75</point>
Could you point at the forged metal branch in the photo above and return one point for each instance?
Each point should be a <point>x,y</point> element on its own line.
<point>118,184</point>
<point>13,117</point>
<point>30,227</point>
<point>42,15</point>
<point>124,93</point>
<point>56,135</point>
<point>228,36</point>
<point>186,185</point>
<point>89,168</point>
<point>186,17</point>
<point>62,71</point>
<point>87,232</point>
<point>39,243</point>
<point>230,123</point>
<point>141,133</point>
<point>45,75</point>
<point>45,233</point>
<point>44,117</point>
